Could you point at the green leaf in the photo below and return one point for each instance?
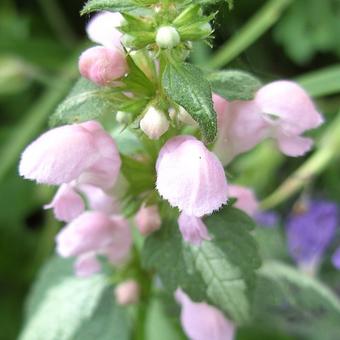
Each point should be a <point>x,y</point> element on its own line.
<point>64,307</point>
<point>109,5</point>
<point>86,101</point>
<point>213,2</point>
<point>295,303</point>
<point>234,84</point>
<point>220,271</point>
<point>185,85</point>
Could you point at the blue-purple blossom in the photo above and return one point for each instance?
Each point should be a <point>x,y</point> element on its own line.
<point>310,232</point>
<point>336,259</point>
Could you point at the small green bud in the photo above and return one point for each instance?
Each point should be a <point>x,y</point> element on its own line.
<point>167,37</point>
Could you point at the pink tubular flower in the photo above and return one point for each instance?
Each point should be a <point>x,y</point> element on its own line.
<point>89,232</point>
<point>87,265</point>
<point>193,229</point>
<point>102,65</point>
<point>191,177</point>
<point>281,110</point>
<point>82,152</point>
<point>102,29</point>
<point>127,292</point>
<point>67,204</point>
<point>246,199</point>
<point>148,219</point>
<point>201,321</point>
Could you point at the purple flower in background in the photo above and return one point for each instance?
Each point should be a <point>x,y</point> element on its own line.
<point>309,233</point>
<point>268,219</point>
<point>336,259</point>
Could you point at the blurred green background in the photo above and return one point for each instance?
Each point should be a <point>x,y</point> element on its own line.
<point>39,44</point>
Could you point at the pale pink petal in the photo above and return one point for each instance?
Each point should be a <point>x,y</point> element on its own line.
<point>290,106</point>
<point>220,106</point>
<point>246,199</point>
<point>67,204</point>
<point>294,145</point>
<point>102,65</point>
<point>148,219</point>
<point>193,229</point>
<point>240,128</point>
<point>154,123</point>
<point>87,265</point>
<point>127,292</point>
<point>118,250</point>
<point>99,200</point>
<point>59,155</point>
<point>201,321</point>
<point>191,177</point>
<point>102,29</point>
<point>91,231</point>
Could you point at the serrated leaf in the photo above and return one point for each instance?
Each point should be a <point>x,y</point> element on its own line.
<point>296,303</point>
<point>234,84</point>
<point>186,86</point>
<point>109,5</point>
<point>64,307</point>
<point>86,101</point>
<point>220,271</point>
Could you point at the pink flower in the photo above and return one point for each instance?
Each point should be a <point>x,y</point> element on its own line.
<point>147,219</point>
<point>193,229</point>
<point>82,152</point>
<point>87,265</point>
<point>191,177</point>
<point>281,110</point>
<point>103,65</point>
<point>201,321</point>
<point>91,231</point>
<point>127,292</point>
<point>102,29</point>
<point>67,204</point>
<point>246,199</point>
<point>154,123</point>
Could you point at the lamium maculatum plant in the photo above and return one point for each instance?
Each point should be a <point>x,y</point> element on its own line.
<point>139,152</point>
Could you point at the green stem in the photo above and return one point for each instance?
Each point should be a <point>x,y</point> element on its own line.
<point>57,21</point>
<point>327,152</point>
<point>253,29</point>
<point>36,117</point>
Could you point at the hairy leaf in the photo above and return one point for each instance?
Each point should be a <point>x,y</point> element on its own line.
<point>221,271</point>
<point>109,5</point>
<point>64,307</point>
<point>86,101</point>
<point>234,85</point>
<point>185,85</point>
<point>295,303</point>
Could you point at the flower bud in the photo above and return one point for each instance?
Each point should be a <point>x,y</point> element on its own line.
<point>191,177</point>
<point>127,292</point>
<point>102,65</point>
<point>193,229</point>
<point>182,116</point>
<point>201,321</point>
<point>148,219</point>
<point>167,37</point>
<point>123,117</point>
<point>154,123</point>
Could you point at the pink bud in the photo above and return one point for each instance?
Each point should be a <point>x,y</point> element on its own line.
<point>154,123</point>
<point>246,199</point>
<point>91,231</point>
<point>86,265</point>
<point>148,220</point>
<point>193,229</point>
<point>102,29</point>
<point>201,321</point>
<point>102,65</point>
<point>99,200</point>
<point>191,177</point>
<point>83,152</point>
<point>127,292</point>
<point>118,250</point>
<point>67,204</point>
